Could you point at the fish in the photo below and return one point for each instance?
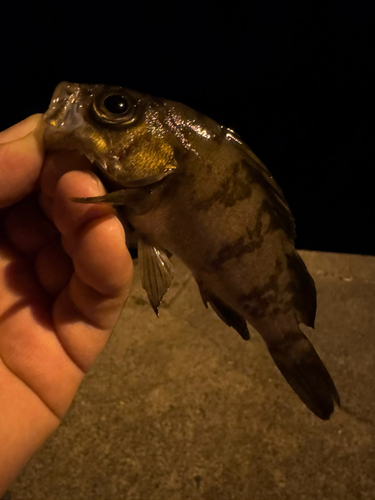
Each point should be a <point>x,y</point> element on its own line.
<point>192,188</point>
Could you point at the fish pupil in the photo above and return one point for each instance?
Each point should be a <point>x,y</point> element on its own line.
<point>116,104</point>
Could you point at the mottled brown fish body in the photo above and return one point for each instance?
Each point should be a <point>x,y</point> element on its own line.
<point>215,217</point>
<point>192,188</point>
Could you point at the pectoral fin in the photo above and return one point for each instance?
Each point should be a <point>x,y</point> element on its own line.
<point>114,198</point>
<point>156,273</point>
<point>138,200</point>
<point>227,314</point>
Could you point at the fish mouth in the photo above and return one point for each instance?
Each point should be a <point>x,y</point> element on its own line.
<point>66,124</point>
<point>64,114</point>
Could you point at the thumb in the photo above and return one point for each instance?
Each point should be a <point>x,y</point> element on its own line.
<point>21,159</point>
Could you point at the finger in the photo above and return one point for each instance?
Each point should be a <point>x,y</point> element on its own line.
<point>70,217</point>
<point>21,159</point>
<point>33,235</point>
<point>92,232</point>
<point>84,317</point>
<point>29,346</point>
<point>56,164</point>
<point>20,129</point>
<point>87,310</point>
<point>101,258</point>
<point>53,267</point>
<point>27,227</point>
<point>17,283</point>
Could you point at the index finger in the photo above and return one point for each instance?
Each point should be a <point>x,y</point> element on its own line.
<point>21,159</point>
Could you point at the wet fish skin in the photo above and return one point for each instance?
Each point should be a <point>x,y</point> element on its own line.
<point>192,188</point>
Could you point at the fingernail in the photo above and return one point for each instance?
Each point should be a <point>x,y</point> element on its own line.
<point>98,182</point>
<point>20,129</point>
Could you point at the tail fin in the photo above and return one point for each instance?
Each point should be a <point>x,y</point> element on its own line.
<point>305,372</point>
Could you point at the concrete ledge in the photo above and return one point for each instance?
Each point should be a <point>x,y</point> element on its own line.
<point>181,407</point>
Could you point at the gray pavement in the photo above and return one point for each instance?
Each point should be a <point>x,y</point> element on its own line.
<point>181,407</point>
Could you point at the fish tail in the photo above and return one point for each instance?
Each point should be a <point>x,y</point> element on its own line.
<point>305,372</point>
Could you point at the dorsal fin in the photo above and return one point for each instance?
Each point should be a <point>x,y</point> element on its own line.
<point>274,195</point>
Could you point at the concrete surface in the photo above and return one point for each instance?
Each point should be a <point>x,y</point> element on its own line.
<point>182,408</point>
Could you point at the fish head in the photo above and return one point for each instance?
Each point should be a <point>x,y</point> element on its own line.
<point>118,129</point>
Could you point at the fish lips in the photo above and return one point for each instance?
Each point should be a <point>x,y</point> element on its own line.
<point>64,114</point>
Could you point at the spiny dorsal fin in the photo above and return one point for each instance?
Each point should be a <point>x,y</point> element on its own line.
<point>275,197</point>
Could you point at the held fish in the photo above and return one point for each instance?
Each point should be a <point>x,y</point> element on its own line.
<point>192,188</point>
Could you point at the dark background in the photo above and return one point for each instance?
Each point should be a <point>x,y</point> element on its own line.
<point>294,79</point>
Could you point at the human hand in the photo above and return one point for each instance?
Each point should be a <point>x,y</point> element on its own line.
<point>65,273</point>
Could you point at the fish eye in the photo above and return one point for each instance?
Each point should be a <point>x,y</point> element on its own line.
<point>116,104</point>
<point>113,108</point>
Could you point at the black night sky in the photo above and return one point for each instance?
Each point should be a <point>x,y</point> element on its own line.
<point>294,79</point>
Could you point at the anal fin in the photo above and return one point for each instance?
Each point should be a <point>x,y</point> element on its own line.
<point>227,314</point>
<point>156,273</point>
